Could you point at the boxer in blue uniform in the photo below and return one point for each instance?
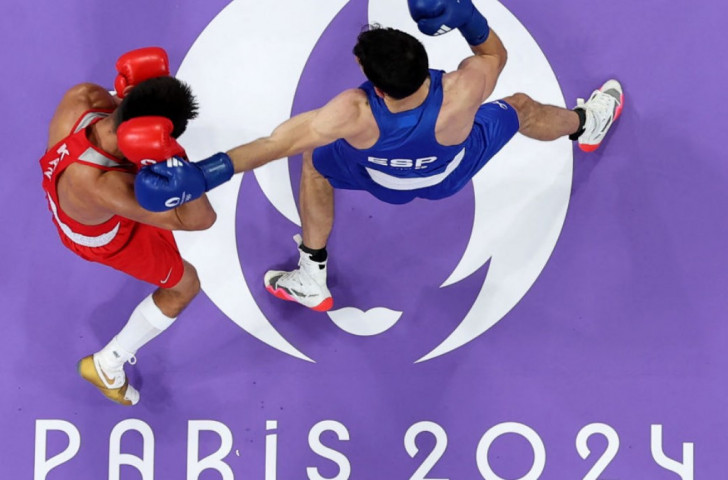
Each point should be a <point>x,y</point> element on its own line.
<point>407,161</point>
<point>408,132</point>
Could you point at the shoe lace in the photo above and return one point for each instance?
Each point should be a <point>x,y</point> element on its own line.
<point>301,279</point>
<point>293,277</point>
<point>599,108</point>
<point>602,100</point>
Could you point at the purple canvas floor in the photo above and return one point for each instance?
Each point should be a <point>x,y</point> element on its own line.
<point>621,336</point>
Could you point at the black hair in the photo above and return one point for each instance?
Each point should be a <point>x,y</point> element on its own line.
<point>159,96</point>
<point>394,61</point>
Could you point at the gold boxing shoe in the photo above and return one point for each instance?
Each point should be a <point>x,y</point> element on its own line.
<point>115,386</point>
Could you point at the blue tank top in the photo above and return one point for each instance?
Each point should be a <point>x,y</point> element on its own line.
<point>407,155</point>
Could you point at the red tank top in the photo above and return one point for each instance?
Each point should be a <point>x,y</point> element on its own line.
<point>89,241</point>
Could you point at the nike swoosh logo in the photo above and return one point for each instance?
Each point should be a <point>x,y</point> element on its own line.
<point>290,291</point>
<point>107,380</point>
<point>167,277</point>
<point>296,293</point>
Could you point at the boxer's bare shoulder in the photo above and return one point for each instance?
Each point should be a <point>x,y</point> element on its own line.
<point>350,110</point>
<point>348,105</point>
<point>77,100</point>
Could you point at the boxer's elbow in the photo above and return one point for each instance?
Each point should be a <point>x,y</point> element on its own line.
<point>205,221</point>
<point>208,220</point>
<point>195,219</point>
<point>503,57</point>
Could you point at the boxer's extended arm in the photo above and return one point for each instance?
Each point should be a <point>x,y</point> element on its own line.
<point>76,101</point>
<point>164,185</point>
<point>114,191</point>
<point>339,118</point>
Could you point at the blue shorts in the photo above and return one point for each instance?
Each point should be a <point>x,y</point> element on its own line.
<point>495,124</point>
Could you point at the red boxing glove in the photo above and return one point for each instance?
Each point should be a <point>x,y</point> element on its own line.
<point>148,140</point>
<point>138,65</point>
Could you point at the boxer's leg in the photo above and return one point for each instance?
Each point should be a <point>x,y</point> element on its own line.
<point>588,123</point>
<point>152,256</point>
<point>171,301</point>
<point>317,205</point>
<point>105,369</point>
<point>307,284</point>
<point>157,312</point>
<point>542,122</point>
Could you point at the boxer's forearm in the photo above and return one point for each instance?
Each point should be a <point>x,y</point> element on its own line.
<point>492,47</point>
<point>292,137</point>
<point>256,153</point>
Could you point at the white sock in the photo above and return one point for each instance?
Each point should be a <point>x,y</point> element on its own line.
<point>146,322</point>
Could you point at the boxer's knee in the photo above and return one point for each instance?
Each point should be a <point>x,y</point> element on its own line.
<point>173,300</point>
<point>521,103</point>
<point>189,285</point>
<point>524,106</point>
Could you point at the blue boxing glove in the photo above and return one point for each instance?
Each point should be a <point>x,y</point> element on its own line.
<point>216,170</point>
<point>435,17</point>
<point>166,185</point>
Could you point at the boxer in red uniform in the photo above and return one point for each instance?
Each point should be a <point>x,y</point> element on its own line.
<point>96,144</point>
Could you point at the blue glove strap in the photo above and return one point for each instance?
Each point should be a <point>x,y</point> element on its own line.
<point>217,170</point>
<point>475,30</point>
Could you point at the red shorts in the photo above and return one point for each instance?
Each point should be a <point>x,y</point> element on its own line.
<point>150,255</point>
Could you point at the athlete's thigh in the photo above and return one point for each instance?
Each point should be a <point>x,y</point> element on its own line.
<point>495,125</point>
<point>151,255</point>
<point>499,122</point>
<point>336,170</point>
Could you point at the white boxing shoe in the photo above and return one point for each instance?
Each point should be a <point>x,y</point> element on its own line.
<point>305,285</point>
<point>601,110</point>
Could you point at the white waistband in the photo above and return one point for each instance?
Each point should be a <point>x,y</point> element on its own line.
<point>414,183</point>
<point>83,240</point>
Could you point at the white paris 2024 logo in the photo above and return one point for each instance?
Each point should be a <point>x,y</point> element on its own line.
<point>521,195</point>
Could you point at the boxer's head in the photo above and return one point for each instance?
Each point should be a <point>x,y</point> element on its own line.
<point>160,96</point>
<point>394,61</point>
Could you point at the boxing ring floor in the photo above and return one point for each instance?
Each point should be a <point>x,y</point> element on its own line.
<point>586,341</point>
